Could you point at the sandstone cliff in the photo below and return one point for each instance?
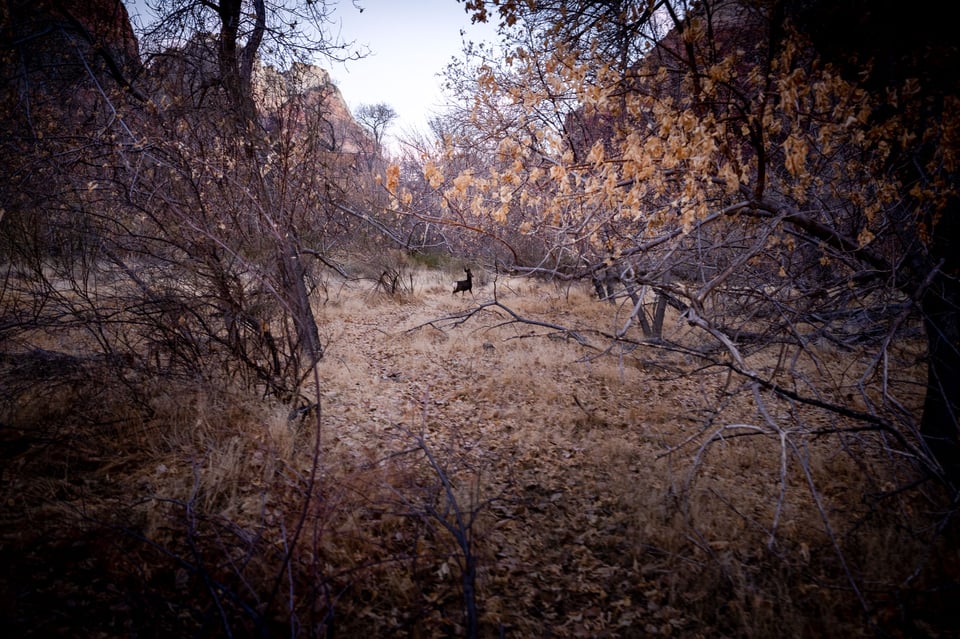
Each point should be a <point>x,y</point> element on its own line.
<point>50,48</point>
<point>310,88</point>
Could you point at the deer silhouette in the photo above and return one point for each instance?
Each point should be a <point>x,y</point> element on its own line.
<point>464,285</point>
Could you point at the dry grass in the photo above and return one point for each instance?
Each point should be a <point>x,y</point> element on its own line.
<point>607,495</point>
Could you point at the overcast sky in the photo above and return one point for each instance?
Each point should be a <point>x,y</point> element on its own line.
<point>410,42</point>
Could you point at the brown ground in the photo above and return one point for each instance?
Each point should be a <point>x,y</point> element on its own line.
<point>599,494</point>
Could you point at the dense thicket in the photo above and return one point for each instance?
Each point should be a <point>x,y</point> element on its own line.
<point>740,160</point>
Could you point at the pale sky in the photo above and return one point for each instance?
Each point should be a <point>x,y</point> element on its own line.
<point>410,43</point>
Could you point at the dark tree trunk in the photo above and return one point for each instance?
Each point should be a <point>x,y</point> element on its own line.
<point>904,44</point>
<point>940,306</point>
<point>297,300</point>
<point>236,69</point>
<point>940,427</point>
<point>236,64</point>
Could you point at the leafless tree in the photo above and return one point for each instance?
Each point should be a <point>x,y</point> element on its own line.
<point>377,118</point>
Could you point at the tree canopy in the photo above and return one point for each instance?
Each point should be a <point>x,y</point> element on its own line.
<point>705,149</point>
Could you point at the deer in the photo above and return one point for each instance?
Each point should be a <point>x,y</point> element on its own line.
<point>464,285</point>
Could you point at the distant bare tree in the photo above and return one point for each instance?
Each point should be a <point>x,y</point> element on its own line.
<point>376,118</point>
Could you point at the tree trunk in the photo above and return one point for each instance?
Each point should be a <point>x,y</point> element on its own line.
<point>940,306</point>
<point>908,45</point>
<point>236,65</point>
<point>297,300</point>
<point>660,309</point>
<point>939,302</point>
<point>236,68</point>
<point>941,408</point>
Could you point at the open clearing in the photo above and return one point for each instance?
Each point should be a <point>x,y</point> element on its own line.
<point>585,493</point>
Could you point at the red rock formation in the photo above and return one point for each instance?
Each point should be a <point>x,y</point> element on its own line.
<point>55,33</point>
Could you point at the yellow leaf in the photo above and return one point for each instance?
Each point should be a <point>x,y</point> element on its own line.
<point>796,155</point>
<point>596,153</point>
<point>433,174</point>
<point>393,178</point>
